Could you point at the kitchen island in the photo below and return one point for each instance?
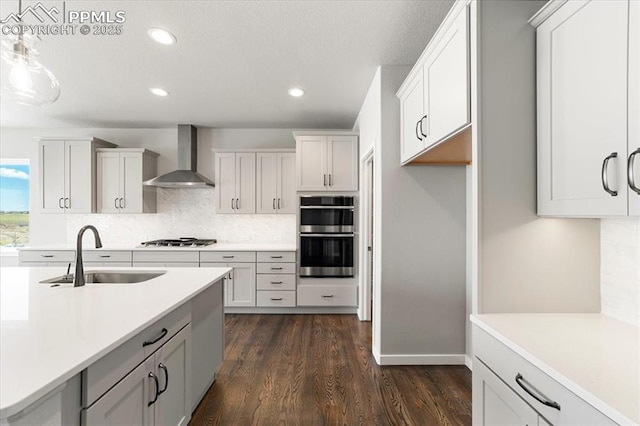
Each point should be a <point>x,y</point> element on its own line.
<point>51,337</point>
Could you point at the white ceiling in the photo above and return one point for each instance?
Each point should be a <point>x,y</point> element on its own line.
<point>232,65</point>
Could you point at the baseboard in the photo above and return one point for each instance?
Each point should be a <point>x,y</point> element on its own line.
<point>468,362</point>
<point>426,359</point>
<point>376,354</point>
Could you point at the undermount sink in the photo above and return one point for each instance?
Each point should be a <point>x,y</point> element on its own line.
<point>108,277</point>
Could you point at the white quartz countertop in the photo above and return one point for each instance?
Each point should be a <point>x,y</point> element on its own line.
<point>49,334</point>
<point>88,245</point>
<point>594,356</point>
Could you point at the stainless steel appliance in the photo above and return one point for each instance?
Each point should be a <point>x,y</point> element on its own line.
<point>327,236</point>
<point>180,242</point>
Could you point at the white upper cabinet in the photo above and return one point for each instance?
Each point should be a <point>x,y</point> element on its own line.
<point>435,99</point>
<point>326,162</point>
<point>235,182</point>
<point>633,159</point>
<point>587,83</point>
<point>275,183</point>
<point>68,174</point>
<point>120,173</point>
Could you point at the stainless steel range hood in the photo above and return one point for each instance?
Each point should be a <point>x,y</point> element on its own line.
<point>186,176</point>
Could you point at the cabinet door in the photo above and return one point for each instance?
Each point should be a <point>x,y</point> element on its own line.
<point>225,182</point>
<point>311,163</point>
<point>108,182</point>
<point>245,182</point>
<point>286,182</point>
<point>342,170</point>
<point>79,177</point>
<point>131,182</point>
<point>241,288</point>
<point>411,107</point>
<point>51,176</point>
<point>495,404</point>
<point>582,109</point>
<point>446,82</point>
<point>173,368</point>
<point>634,109</point>
<point>266,182</point>
<point>127,403</point>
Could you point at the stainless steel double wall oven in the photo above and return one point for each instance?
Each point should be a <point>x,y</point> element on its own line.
<point>327,227</point>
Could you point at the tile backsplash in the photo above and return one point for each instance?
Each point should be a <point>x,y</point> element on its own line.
<point>186,213</point>
<point>620,269</point>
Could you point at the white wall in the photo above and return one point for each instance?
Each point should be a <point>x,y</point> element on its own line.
<point>419,240</point>
<point>620,269</point>
<point>525,263</point>
<point>180,212</point>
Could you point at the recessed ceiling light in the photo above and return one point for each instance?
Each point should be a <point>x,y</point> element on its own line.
<point>162,36</point>
<point>296,92</point>
<point>159,91</point>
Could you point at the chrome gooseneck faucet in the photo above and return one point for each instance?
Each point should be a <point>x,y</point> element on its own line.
<point>78,278</point>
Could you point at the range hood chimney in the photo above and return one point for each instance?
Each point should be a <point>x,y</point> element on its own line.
<point>186,176</point>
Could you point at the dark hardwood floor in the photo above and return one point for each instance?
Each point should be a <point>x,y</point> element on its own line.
<point>319,370</point>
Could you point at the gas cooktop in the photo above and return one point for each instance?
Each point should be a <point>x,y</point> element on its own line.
<point>180,242</point>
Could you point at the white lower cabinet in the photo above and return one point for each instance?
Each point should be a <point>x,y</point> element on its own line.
<point>327,295</point>
<point>239,284</point>
<point>509,390</point>
<point>276,275</point>
<point>156,392</point>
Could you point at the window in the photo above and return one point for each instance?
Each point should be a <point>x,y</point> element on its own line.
<point>14,202</point>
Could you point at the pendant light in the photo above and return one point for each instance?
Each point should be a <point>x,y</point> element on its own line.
<point>24,79</point>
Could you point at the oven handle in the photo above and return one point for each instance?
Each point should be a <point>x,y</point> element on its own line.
<point>328,207</point>
<point>327,235</point>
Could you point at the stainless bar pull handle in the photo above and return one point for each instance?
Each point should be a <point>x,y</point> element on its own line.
<point>421,127</point>
<point>327,296</point>
<point>164,368</point>
<point>605,177</point>
<point>324,180</point>
<point>330,180</point>
<point>115,203</point>
<point>276,269</point>
<point>237,203</point>
<point>232,204</point>
<point>418,124</point>
<point>279,204</point>
<point>276,298</point>
<point>276,257</point>
<point>535,393</point>
<point>276,282</point>
<point>228,257</point>
<point>48,256</point>
<point>60,203</point>
<point>67,203</point>
<point>163,333</point>
<point>274,203</point>
<point>630,173</point>
<point>104,256</point>
<point>121,203</point>
<point>155,398</point>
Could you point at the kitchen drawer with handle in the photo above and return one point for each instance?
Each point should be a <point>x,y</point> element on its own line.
<point>327,295</point>
<point>106,256</point>
<point>276,298</point>
<point>276,268</point>
<point>47,256</point>
<point>552,400</point>
<point>277,256</point>
<point>166,256</point>
<point>276,282</point>
<point>100,376</point>
<point>227,256</point>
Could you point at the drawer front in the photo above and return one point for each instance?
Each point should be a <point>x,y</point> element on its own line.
<point>277,256</point>
<point>110,264</point>
<point>228,256</point>
<point>507,364</point>
<point>47,256</point>
<point>106,256</point>
<point>166,256</point>
<point>276,282</point>
<point>327,295</point>
<point>276,268</point>
<point>100,376</point>
<point>276,298</point>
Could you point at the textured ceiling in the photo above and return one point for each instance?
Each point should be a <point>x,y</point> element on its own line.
<point>232,65</point>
